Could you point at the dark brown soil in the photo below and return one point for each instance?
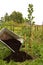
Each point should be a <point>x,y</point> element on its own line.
<point>18,57</point>
<point>13,43</point>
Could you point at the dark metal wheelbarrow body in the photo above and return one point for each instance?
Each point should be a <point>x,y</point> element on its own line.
<point>10,39</point>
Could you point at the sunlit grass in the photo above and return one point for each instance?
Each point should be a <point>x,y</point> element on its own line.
<point>37,45</point>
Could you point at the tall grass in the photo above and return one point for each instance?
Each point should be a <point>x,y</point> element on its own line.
<point>37,45</point>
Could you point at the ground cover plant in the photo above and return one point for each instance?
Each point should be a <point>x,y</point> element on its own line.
<point>31,51</point>
<point>37,47</point>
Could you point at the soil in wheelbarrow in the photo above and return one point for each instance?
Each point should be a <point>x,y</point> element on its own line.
<point>13,44</point>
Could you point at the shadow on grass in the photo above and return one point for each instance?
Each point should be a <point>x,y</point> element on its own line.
<point>18,57</point>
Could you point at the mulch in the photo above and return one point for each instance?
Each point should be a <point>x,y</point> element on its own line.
<point>18,57</point>
<point>13,43</point>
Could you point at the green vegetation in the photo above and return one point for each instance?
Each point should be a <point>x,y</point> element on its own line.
<point>37,45</point>
<point>4,51</point>
<point>18,25</point>
<point>30,18</point>
<point>14,16</point>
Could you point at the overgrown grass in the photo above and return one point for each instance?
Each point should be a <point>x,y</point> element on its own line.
<point>37,46</point>
<point>4,51</point>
